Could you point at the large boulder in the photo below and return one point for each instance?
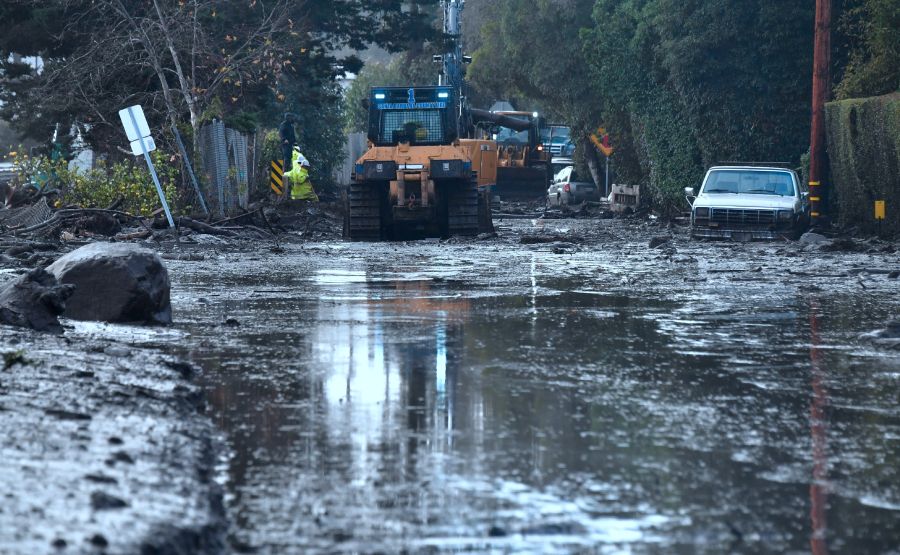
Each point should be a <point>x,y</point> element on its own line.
<point>115,282</point>
<point>35,300</point>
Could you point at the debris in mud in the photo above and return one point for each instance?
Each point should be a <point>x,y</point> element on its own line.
<point>115,282</point>
<point>12,358</point>
<point>101,501</point>
<point>543,239</point>
<point>888,337</point>
<point>842,244</point>
<point>184,256</point>
<point>35,300</point>
<point>658,241</point>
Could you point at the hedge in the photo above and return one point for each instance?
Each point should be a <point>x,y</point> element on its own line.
<point>864,152</point>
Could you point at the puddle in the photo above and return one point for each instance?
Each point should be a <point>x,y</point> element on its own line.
<point>530,404</point>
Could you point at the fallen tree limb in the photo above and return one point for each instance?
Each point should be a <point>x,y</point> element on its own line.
<point>202,227</point>
<point>145,234</point>
<point>238,217</point>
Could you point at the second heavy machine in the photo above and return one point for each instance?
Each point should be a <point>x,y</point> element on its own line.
<point>420,177</point>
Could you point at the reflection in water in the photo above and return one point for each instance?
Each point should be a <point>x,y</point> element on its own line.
<point>379,409</point>
<point>818,494</point>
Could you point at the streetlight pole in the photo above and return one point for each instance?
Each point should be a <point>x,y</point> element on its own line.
<point>821,85</point>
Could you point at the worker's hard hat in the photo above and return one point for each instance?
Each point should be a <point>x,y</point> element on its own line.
<point>300,158</point>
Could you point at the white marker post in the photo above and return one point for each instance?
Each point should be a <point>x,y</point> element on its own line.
<point>142,143</point>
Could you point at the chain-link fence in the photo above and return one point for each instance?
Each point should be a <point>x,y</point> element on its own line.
<point>37,213</point>
<point>229,166</point>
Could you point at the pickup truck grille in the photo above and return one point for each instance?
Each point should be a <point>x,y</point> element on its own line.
<point>736,217</point>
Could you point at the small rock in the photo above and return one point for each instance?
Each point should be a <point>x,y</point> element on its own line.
<point>67,414</point>
<point>20,251</point>
<point>842,244</point>
<point>669,251</point>
<point>206,239</point>
<point>100,224</point>
<point>657,242</point>
<point>115,351</point>
<point>120,457</point>
<point>185,369</point>
<point>496,532</point>
<point>59,543</point>
<point>811,237</point>
<point>889,337</point>
<point>97,540</point>
<point>35,300</point>
<point>232,322</point>
<point>100,479</point>
<point>101,501</point>
<point>894,275</point>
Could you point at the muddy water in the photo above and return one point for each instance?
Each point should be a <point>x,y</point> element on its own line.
<point>503,398</point>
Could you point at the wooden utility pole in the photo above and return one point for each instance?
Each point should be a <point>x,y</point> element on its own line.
<point>821,86</point>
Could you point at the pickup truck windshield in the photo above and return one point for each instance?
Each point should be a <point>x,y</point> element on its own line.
<point>752,182</point>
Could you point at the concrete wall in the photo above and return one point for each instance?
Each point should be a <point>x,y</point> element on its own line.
<point>864,152</point>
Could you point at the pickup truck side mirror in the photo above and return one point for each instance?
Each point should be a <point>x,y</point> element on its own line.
<point>804,195</point>
<point>689,191</point>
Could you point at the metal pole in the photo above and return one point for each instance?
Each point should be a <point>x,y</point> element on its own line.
<point>606,187</point>
<point>159,190</point>
<point>821,85</point>
<point>190,169</point>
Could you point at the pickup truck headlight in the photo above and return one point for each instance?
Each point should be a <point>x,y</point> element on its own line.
<point>701,212</point>
<point>785,215</point>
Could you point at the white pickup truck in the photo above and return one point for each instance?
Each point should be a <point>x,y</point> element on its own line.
<point>748,203</point>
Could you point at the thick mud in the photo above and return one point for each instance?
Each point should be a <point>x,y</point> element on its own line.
<point>562,388</point>
<point>104,446</point>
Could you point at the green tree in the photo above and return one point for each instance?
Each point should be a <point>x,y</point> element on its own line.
<point>697,82</point>
<point>871,29</point>
<point>407,69</point>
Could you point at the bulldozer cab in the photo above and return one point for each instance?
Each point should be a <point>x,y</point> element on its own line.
<point>418,116</point>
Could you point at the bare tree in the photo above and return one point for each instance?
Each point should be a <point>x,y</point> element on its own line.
<point>123,44</point>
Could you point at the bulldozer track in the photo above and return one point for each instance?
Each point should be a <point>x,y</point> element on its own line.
<point>462,209</point>
<point>365,213</point>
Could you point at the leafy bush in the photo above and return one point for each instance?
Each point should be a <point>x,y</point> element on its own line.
<point>872,28</point>
<point>103,185</point>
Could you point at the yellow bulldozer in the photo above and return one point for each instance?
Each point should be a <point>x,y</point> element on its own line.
<point>419,178</point>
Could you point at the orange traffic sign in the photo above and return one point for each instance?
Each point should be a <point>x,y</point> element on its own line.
<point>601,140</point>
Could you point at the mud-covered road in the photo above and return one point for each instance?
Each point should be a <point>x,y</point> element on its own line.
<point>588,394</point>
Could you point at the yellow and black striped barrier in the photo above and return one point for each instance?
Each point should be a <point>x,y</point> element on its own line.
<point>276,177</point>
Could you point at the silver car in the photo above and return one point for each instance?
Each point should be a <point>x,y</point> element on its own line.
<point>748,203</point>
<point>569,187</point>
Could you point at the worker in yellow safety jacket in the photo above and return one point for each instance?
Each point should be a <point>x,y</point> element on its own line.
<point>298,177</point>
